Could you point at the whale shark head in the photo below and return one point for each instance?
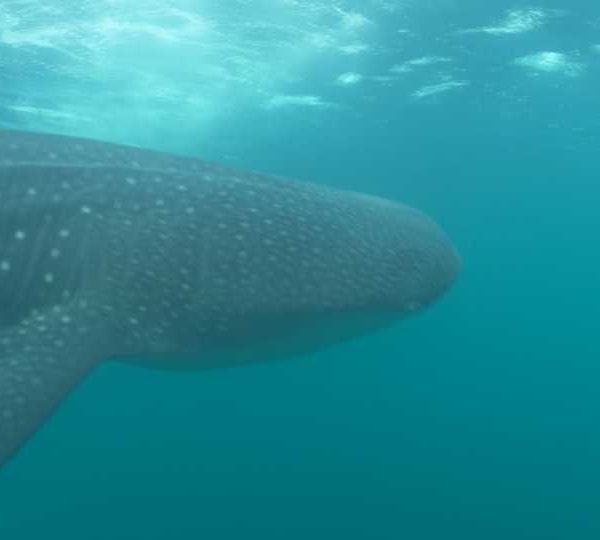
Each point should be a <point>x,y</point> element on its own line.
<point>296,267</point>
<point>112,252</point>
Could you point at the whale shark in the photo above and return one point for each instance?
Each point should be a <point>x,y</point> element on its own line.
<point>111,252</point>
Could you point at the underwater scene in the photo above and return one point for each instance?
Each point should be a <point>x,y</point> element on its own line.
<point>400,343</point>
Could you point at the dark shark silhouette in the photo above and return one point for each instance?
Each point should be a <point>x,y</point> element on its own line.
<point>113,252</point>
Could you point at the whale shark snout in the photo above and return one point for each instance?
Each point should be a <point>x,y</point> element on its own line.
<point>375,255</point>
<point>426,261</point>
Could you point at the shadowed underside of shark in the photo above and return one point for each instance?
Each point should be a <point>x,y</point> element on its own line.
<point>108,252</point>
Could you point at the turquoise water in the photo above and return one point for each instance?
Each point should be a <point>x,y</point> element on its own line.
<point>476,419</point>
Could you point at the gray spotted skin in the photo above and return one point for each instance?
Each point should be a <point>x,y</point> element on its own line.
<point>109,251</point>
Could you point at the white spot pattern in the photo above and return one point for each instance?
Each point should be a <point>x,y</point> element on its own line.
<point>123,252</point>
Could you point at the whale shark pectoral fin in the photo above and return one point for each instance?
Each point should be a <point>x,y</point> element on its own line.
<point>41,360</point>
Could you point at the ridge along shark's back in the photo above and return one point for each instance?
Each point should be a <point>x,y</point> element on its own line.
<point>108,251</point>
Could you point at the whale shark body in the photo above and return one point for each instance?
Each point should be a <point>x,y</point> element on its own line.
<point>113,252</point>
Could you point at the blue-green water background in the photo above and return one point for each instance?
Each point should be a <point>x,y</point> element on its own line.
<point>476,419</point>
